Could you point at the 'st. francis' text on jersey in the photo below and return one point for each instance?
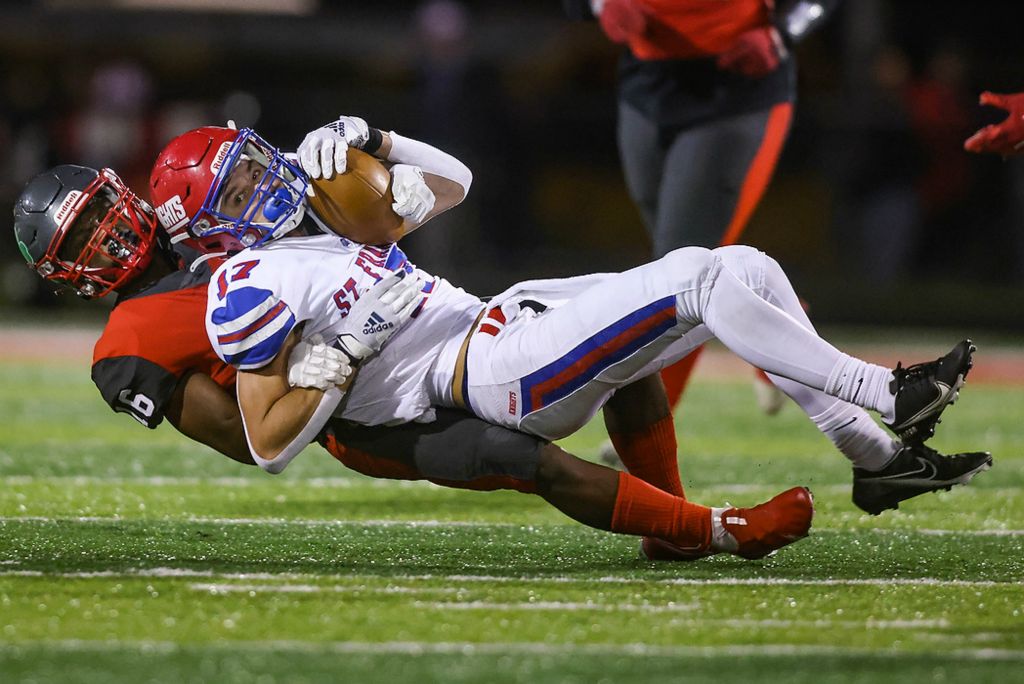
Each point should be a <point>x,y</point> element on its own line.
<point>259,296</point>
<point>150,341</point>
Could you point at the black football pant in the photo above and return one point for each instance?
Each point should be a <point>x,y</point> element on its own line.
<point>700,185</point>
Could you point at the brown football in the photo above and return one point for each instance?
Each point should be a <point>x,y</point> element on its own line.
<point>357,203</point>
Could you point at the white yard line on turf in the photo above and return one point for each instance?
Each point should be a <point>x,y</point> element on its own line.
<point>683,607</point>
<point>310,522</point>
<point>172,480</point>
<point>466,648</point>
<point>221,588</point>
<point>305,522</point>
<point>553,579</point>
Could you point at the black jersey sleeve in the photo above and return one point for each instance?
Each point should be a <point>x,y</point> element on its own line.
<point>136,386</point>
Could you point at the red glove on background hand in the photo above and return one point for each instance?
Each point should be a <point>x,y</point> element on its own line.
<point>622,20</point>
<point>756,53</point>
<point>1006,137</point>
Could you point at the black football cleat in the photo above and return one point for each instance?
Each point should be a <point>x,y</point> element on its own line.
<point>914,470</point>
<point>924,390</point>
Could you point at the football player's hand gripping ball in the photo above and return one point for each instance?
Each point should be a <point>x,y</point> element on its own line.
<point>1007,136</point>
<point>323,151</point>
<point>413,199</point>
<point>378,314</point>
<point>315,364</point>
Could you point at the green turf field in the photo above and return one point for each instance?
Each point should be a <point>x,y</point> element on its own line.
<point>134,556</point>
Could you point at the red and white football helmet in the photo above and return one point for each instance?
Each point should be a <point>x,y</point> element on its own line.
<point>84,229</point>
<point>190,173</point>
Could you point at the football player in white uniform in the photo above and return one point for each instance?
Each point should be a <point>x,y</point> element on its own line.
<point>544,356</point>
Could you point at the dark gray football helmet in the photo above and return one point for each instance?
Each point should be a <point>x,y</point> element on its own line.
<point>111,244</point>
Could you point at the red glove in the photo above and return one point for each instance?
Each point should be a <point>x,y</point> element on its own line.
<point>1006,137</point>
<point>756,53</point>
<point>622,20</point>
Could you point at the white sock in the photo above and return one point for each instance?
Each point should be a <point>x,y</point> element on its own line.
<point>858,437</point>
<point>721,540</point>
<point>862,383</point>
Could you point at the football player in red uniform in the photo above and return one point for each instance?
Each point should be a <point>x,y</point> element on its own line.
<point>705,101</point>
<point>84,229</point>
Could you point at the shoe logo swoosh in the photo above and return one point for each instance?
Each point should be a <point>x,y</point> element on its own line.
<point>940,401</point>
<point>926,466</point>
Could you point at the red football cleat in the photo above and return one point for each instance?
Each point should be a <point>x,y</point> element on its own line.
<point>755,532</point>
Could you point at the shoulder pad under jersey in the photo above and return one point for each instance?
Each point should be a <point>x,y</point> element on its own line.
<point>249,327</point>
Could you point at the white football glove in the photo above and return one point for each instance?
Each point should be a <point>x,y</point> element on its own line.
<point>314,364</point>
<point>413,199</point>
<point>378,314</point>
<point>323,151</point>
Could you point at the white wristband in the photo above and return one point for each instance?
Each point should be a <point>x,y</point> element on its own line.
<point>430,160</point>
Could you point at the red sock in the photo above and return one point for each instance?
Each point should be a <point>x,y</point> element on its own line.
<point>646,511</point>
<point>650,454</point>
<point>677,376</point>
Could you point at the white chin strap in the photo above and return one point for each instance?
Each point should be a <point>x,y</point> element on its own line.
<point>200,260</point>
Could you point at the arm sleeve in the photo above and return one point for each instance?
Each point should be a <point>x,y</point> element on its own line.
<point>430,160</point>
<point>797,19</point>
<point>274,465</point>
<point>249,327</point>
<point>136,386</point>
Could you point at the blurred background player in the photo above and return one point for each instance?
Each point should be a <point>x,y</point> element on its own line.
<point>705,101</point>
<point>85,230</point>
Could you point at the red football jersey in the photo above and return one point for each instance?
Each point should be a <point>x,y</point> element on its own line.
<point>151,340</point>
<point>687,29</point>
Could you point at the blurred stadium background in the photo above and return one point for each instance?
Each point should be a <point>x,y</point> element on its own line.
<point>128,555</point>
<point>876,211</point>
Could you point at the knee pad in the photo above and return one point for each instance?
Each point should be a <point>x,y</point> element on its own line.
<point>749,265</point>
<point>689,259</point>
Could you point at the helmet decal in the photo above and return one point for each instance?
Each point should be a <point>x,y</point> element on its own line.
<point>218,159</point>
<point>64,211</point>
<point>173,217</point>
<point>23,248</point>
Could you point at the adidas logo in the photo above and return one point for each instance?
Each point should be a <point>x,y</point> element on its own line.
<point>375,324</point>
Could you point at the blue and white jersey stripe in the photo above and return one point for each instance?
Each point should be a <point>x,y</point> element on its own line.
<point>251,327</point>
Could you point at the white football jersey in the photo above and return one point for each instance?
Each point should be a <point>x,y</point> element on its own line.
<point>258,296</point>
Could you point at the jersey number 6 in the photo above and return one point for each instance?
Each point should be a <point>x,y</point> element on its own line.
<point>140,407</point>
